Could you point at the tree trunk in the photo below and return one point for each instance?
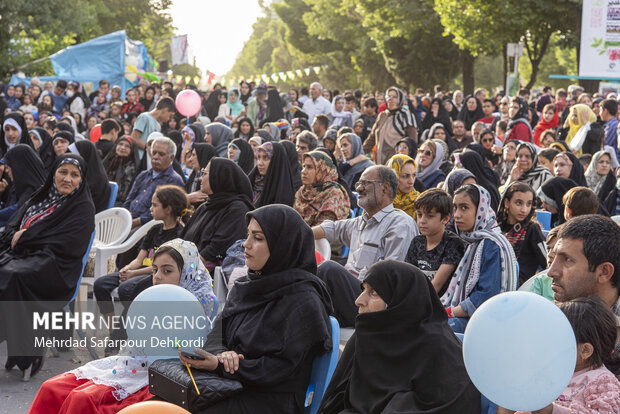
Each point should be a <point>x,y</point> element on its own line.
<point>536,54</point>
<point>468,73</point>
<point>505,57</point>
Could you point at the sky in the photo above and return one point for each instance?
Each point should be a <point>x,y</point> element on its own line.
<point>216,29</point>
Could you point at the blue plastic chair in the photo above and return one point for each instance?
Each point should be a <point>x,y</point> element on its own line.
<point>113,194</point>
<point>544,218</point>
<point>323,368</point>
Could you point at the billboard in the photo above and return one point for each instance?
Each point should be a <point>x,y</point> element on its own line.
<point>600,39</point>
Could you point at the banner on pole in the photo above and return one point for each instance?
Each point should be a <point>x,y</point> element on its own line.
<point>179,48</point>
<point>600,39</point>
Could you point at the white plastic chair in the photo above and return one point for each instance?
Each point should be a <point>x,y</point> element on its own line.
<point>220,289</point>
<point>103,253</point>
<point>616,219</point>
<point>323,247</point>
<point>112,226</point>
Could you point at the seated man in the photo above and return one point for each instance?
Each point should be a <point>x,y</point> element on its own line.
<point>383,232</point>
<point>587,262</point>
<point>138,200</point>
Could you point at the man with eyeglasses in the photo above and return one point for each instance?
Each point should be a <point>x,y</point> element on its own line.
<point>381,233</point>
<point>306,141</point>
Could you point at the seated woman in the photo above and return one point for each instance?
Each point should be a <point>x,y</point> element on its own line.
<point>276,319</point>
<point>457,178</point>
<point>219,136</point>
<point>489,266</point>
<point>200,155</point>
<point>48,235</point>
<point>97,177</point>
<point>399,310</point>
<point>108,385</point>
<point>45,149</point>
<point>485,176</point>
<point>515,220</point>
<point>218,222</point>
<point>566,165</point>
<point>428,160</point>
<point>26,172</point>
<point>245,130</point>
<point>600,174</point>
<point>321,197</point>
<point>121,166</point>
<point>355,161</point>
<point>61,142</point>
<point>404,167</point>
<point>551,194</point>
<point>527,168</point>
<point>242,153</point>
<point>272,179</point>
<point>14,131</point>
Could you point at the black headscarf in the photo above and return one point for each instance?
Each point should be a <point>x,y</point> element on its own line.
<point>411,144</point>
<point>24,135</point>
<point>113,164</point>
<point>28,171</point>
<point>576,172</point>
<point>274,106</point>
<point>469,117</point>
<point>246,155</point>
<point>212,104</point>
<point>293,158</point>
<point>204,153</point>
<point>404,359</point>
<point>524,110</point>
<point>177,138</point>
<point>552,192</point>
<point>449,141</point>
<point>278,185</point>
<point>63,126</point>
<point>238,131</point>
<point>97,177</point>
<point>244,98</point>
<point>228,183</point>
<point>46,149</point>
<point>485,176</point>
<point>443,117</point>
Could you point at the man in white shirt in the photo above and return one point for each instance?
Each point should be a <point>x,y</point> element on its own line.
<point>382,233</point>
<point>316,104</point>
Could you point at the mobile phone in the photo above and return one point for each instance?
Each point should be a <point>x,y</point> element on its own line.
<point>192,356</point>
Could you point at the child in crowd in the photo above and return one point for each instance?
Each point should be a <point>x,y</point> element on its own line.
<point>541,283</point>
<point>579,201</point>
<point>514,217</point>
<point>489,265</point>
<point>169,204</point>
<point>593,387</point>
<point>435,251</point>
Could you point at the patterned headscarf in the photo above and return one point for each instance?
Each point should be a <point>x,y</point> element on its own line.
<point>467,273</point>
<point>325,194</point>
<point>585,117</point>
<point>54,199</point>
<point>403,201</point>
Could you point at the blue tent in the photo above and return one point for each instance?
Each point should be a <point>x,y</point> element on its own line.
<point>101,58</point>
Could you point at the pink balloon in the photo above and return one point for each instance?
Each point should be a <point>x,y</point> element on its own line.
<point>188,102</point>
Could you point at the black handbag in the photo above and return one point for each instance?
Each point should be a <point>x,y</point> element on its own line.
<point>169,379</point>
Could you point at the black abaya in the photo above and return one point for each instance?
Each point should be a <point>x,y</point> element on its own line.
<point>24,136</point>
<point>293,158</point>
<point>485,176</point>
<point>46,149</point>
<point>97,177</point>
<point>246,155</point>
<point>279,187</point>
<point>27,169</point>
<point>404,359</point>
<point>204,152</point>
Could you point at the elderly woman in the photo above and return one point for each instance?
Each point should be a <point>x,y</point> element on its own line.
<point>399,310</point>
<point>276,319</point>
<point>321,197</point>
<point>404,167</point>
<point>218,222</point>
<point>527,169</point>
<point>567,165</point>
<point>272,178</point>
<point>121,166</point>
<point>48,235</point>
<point>429,159</point>
<point>355,163</point>
<point>392,125</point>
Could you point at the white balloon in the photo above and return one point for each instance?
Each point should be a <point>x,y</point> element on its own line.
<point>520,351</point>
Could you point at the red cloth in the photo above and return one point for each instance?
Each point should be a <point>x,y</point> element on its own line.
<point>543,125</point>
<point>519,132</point>
<point>319,257</point>
<point>64,394</point>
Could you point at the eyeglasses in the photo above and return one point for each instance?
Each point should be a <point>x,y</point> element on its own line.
<point>427,152</point>
<point>204,172</point>
<point>366,183</point>
<point>488,140</point>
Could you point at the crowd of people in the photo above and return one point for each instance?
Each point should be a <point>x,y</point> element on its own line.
<point>429,201</point>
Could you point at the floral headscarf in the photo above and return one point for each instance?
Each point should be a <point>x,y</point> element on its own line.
<point>326,195</point>
<point>403,201</point>
<point>467,273</point>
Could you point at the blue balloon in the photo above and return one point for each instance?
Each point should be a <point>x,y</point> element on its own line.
<point>520,351</point>
<point>165,317</point>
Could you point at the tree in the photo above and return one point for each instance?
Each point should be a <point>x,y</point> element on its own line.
<point>483,27</point>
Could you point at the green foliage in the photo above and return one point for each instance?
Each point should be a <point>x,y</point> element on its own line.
<point>558,60</point>
<point>32,29</point>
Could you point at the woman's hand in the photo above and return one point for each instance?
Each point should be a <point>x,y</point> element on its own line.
<point>3,185</point>
<point>515,173</point>
<point>125,273</point>
<point>16,237</point>
<point>210,362</point>
<point>230,360</point>
<point>196,197</point>
<point>496,149</point>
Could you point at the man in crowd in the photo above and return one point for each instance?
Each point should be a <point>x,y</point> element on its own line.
<point>148,122</point>
<point>316,104</point>
<point>109,133</point>
<point>461,136</point>
<point>58,95</point>
<point>383,232</point>
<point>487,109</point>
<point>319,127</point>
<point>306,142</point>
<point>608,116</point>
<point>161,173</point>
